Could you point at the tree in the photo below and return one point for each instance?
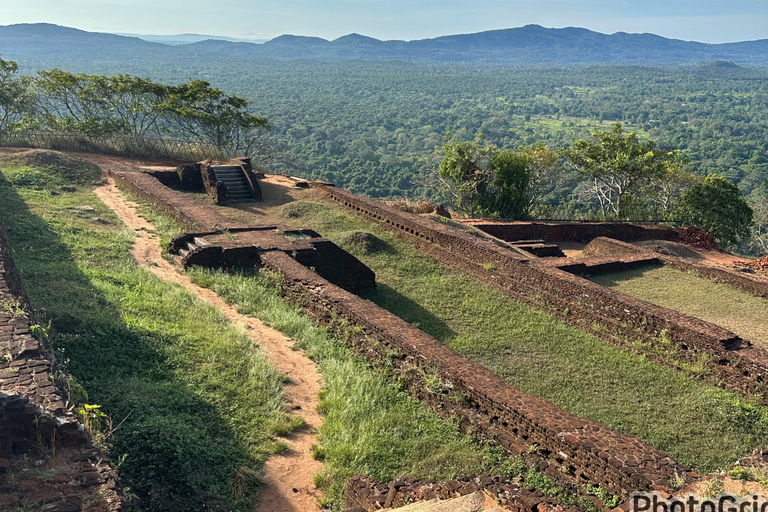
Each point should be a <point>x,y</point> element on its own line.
<point>757,244</point>
<point>543,173</point>
<point>618,164</point>
<point>464,171</point>
<point>716,206</point>
<point>196,110</point>
<point>75,103</point>
<point>16,99</point>
<point>486,181</point>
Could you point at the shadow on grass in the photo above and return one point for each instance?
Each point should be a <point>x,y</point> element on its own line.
<point>179,454</point>
<point>613,279</point>
<point>410,311</point>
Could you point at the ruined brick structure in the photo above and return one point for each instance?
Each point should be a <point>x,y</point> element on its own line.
<point>214,241</point>
<point>560,443</point>
<point>47,459</point>
<point>565,446</point>
<point>737,363</point>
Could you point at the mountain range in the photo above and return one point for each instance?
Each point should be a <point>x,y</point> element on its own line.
<point>177,39</point>
<point>45,45</point>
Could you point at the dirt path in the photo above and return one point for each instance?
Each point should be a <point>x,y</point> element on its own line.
<point>289,476</point>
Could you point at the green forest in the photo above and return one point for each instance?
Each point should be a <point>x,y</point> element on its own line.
<point>373,127</point>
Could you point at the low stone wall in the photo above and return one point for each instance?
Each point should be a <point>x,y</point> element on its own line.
<point>565,446</point>
<point>571,232</point>
<point>575,300</point>
<point>366,494</point>
<point>72,474</point>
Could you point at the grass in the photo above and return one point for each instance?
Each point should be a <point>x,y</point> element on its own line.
<point>689,293</point>
<point>198,402</point>
<point>700,425</point>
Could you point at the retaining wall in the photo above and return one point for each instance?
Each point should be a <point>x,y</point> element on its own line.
<point>577,301</point>
<point>565,446</point>
<point>72,474</point>
<point>571,232</point>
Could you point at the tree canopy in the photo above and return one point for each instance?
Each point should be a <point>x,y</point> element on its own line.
<point>619,165</point>
<point>716,206</point>
<point>58,100</point>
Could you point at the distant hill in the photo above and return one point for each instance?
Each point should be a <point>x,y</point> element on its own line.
<point>177,39</point>
<point>45,45</point>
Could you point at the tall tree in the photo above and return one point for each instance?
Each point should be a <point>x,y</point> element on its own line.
<point>486,181</point>
<point>716,206</point>
<point>196,110</point>
<point>618,164</point>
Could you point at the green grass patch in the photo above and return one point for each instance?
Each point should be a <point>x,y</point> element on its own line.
<point>689,293</point>
<point>698,424</point>
<point>199,405</point>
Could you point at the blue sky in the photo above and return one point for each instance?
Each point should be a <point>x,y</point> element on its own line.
<point>712,21</point>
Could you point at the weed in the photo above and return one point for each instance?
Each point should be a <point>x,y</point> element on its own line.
<point>713,488</point>
<point>677,481</point>
<point>244,479</point>
<point>13,305</point>
<point>318,453</point>
<point>610,501</point>
<point>489,266</point>
<point>740,473</point>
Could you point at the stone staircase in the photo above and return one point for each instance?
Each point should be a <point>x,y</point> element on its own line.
<point>233,176</point>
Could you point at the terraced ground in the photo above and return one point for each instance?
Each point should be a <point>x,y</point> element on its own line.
<point>695,422</point>
<point>192,410</point>
<point>151,354</point>
<point>721,304</point>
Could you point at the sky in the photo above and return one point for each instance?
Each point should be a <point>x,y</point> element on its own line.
<point>710,21</point>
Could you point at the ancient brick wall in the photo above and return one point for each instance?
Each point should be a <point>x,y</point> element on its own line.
<point>572,232</point>
<point>564,445</point>
<point>577,301</point>
<point>369,495</point>
<point>185,209</point>
<point>73,474</point>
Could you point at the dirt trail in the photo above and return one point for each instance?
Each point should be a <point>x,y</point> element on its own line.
<point>289,485</point>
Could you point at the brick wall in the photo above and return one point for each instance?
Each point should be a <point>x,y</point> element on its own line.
<point>572,232</point>
<point>367,494</point>
<point>72,474</point>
